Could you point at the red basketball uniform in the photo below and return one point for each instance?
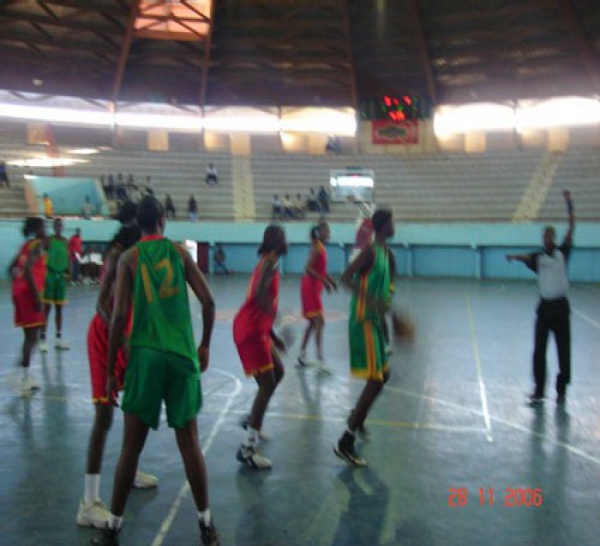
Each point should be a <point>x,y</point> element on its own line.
<point>26,314</point>
<point>97,343</point>
<point>311,288</point>
<point>252,324</point>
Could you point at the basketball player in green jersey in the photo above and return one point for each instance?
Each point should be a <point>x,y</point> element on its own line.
<point>164,363</point>
<point>55,288</point>
<point>369,277</point>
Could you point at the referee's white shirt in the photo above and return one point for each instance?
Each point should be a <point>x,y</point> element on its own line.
<point>552,275</point>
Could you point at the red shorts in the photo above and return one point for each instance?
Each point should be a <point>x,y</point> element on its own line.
<point>310,294</point>
<point>26,315</point>
<point>255,355</point>
<point>97,341</point>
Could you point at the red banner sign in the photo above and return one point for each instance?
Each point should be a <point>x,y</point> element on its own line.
<point>392,132</point>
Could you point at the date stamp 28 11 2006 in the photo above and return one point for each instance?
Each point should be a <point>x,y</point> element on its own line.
<point>511,497</point>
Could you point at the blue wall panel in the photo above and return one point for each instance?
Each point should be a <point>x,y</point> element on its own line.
<point>448,250</point>
<point>443,262</point>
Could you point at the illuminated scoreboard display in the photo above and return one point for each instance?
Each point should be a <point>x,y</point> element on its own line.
<point>393,107</point>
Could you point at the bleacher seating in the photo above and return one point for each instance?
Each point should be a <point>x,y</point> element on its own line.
<point>578,171</point>
<point>419,188</point>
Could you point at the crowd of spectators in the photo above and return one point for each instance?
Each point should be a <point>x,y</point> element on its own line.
<point>287,208</point>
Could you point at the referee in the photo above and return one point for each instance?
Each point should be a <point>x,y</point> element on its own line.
<point>550,264</point>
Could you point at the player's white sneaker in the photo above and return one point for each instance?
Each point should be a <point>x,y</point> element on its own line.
<point>322,367</point>
<point>92,514</point>
<point>250,456</point>
<point>303,361</point>
<point>144,481</point>
<point>61,345</point>
<point>28,386</point>
<point>43,347</point>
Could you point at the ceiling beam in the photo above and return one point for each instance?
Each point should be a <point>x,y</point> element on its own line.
<point>125,48</point>
<point>21,17</point>
<point>39,40</point>
<point>206,57</point>
<point>423,52</point>
<point>586,51</point>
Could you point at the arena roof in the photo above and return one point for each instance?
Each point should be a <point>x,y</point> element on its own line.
<point>302,52</point>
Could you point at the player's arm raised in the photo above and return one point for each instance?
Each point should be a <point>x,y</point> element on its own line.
<point>199,286</point>
<point>571,211</point>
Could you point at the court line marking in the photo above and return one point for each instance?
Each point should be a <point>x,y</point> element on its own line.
<point>185,488</point>
<point>376,422</point>
<point>585,317</point>
<point>510,424</point>
<point>482,390</point>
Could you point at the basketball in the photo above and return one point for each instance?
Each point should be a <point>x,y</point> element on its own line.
<point>287,334</point>
<point>403,326</point>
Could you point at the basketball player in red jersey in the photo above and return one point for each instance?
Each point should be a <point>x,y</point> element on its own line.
<point>257,343</point>
<point>28,274</point>
<point>311,287</point>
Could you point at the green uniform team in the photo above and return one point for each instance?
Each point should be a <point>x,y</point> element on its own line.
<point>163,361</point>
<point>58,263</point>
<point>368,359</point>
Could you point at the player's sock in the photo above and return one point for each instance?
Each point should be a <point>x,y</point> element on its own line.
<point>91,488</point>
<point>204,517</point>
<point>115,522</point>
<point>252,438</point>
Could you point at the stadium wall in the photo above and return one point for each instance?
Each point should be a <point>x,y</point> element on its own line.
<point>474,251</point>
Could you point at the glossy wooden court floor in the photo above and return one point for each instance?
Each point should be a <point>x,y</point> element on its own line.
<point>456,456</point>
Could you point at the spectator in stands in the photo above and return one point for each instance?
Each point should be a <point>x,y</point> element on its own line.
<point>48,206</point>
<point>276,208</point>
<point>288,207</point>
<point>323,199</point>
<point>333,145</point>
<point>135,196</point>
<point>169,208</point>
<point>75,252</point>
<point>212,177</point>
<point>192,209</point>
<point>312,203</point>
<point>219,259</point>
<point>130,181</point>
<point>121,189</point>
<point>110,187</point>
<point>299,207</point>
<point>3,175</point>
<point>87,209</point>
<point>148,187</point>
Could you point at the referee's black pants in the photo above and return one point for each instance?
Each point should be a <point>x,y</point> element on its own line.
<point>552,316</point>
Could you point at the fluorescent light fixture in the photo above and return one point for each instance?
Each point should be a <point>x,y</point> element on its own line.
<point>84,151</point>
<point>57,115</point>
<point>243,124</point>
<point>558,112</point>
<point>469,118</point>
<point>326,121</point>
<point>41,162</point>
<point>155,121</point>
